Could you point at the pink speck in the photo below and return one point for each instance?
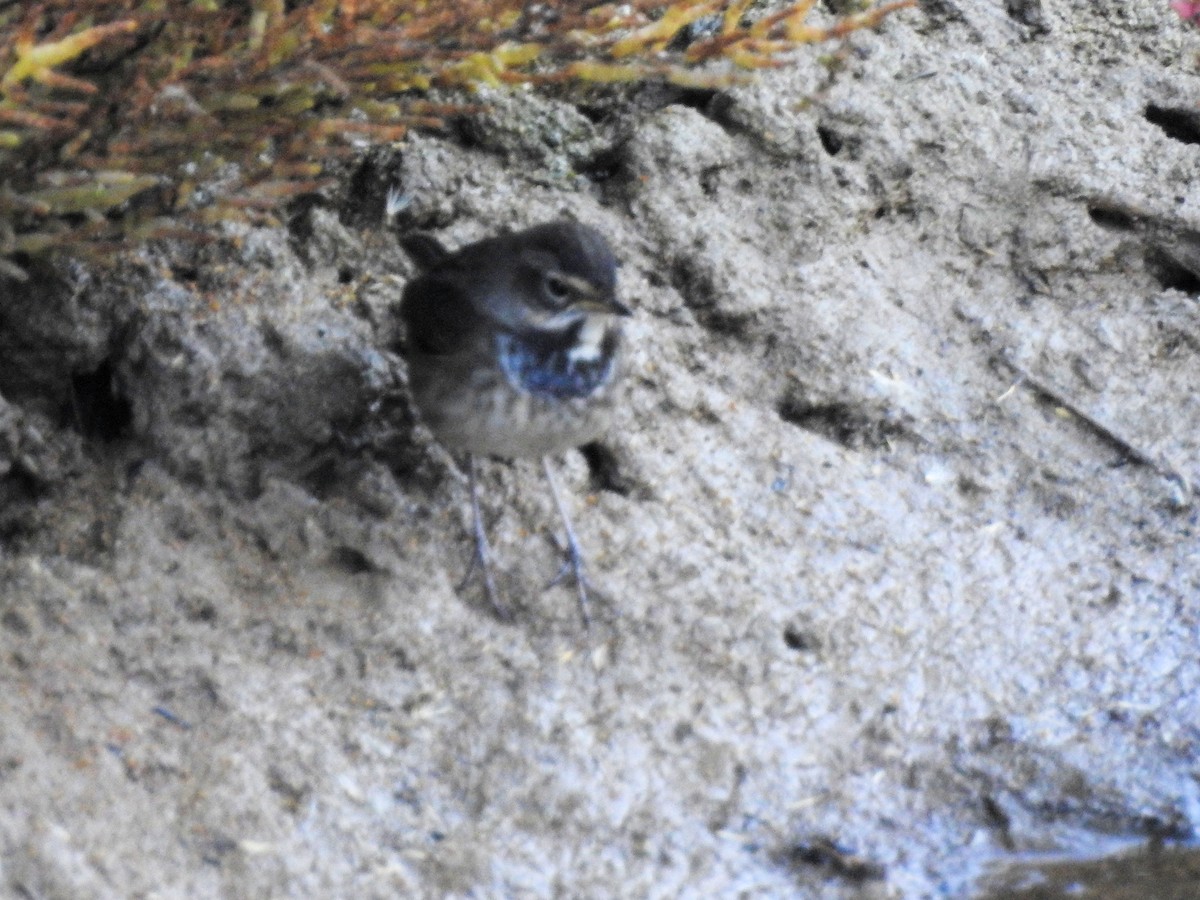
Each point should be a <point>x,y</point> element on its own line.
<point>1189,10</point>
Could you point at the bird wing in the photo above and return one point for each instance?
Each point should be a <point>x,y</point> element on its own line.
<point>426,250</point>
<point>439,315</point>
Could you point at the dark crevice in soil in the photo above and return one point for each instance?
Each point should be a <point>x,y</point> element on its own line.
<point>692,282</point>
<point>605,470</point>
<point>353,561</point>
<point>363,205</point>
<point>98,409</point>
<point>831,141</point>
<point>1171,272</point>
<point>1178,124</point>
<point>1028,13</point>
<point>604,166</point>
<point>841,423</point>
<point>698,99</point>
<point>1112,218</point>
<point>693,279</point>
<point>299,223</point>
<point>827,858</point>
<point>800,639</point>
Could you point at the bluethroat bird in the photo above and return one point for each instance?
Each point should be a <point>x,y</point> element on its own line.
<point>514,350</point>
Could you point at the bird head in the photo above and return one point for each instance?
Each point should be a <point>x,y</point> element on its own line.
<point>562,272</point>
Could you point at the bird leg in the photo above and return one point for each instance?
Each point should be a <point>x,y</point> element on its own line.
<point>574,561</point>
<point>482,556</point>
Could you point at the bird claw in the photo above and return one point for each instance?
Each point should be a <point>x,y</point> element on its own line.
<point>481,560</point>
<point>574,563</point>
<point>575,566</point>
<point>482,557</point>
<point>574,560</point>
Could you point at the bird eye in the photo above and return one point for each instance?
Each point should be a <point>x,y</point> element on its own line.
<point>557,288</point>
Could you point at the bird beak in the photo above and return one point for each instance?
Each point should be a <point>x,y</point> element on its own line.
<point>619,308</point>
<point>600,304</point>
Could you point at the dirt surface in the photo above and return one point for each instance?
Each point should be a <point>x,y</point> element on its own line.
<point>896,534</point>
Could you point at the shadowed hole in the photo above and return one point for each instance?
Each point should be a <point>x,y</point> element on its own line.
<point>98,408</point>
<point>1028,13</point>
<point>801,640</point>
<point>352,561</point>
<point>833,861</point>
<point>604,166</point>
<point>830,140</point>
<point>997,819</point>
<point>1112,218</point>
<point>1171,272</point>
<point>839,422</point>
<point>1178,124</point>
<point>605,469</point>
<point>699,99</point>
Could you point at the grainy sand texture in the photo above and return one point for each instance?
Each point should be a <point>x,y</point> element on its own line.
<point>895,535</point>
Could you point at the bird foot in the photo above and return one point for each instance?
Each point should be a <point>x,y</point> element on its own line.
<point>481,561</point>
<point>575,566</point>
<point>482,557</point>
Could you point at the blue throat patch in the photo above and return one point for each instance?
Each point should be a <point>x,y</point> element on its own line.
<point>544,367</point>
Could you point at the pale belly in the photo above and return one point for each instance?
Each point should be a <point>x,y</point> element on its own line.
<point>479,411</point>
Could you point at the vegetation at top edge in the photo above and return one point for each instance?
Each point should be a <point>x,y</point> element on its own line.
<point>122,120</point>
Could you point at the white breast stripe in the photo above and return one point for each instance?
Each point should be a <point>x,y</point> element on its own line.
<point>591,339</point>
